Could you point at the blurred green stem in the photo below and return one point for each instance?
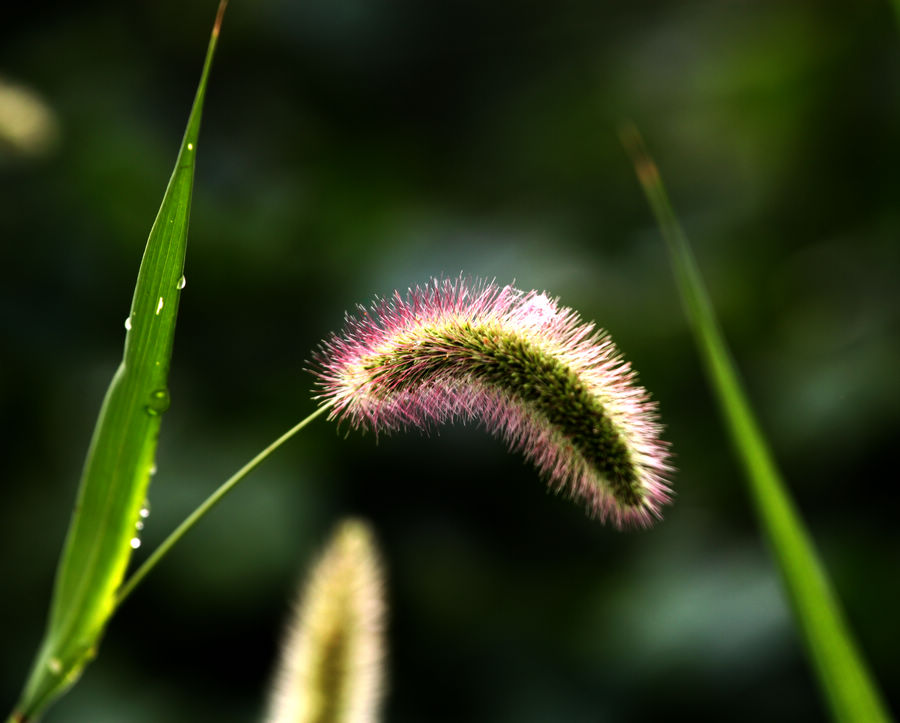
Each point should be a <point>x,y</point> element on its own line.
<point>207,505</point>
<point>848,687</point>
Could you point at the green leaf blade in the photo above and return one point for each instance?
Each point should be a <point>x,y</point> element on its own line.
<point>119,462</point>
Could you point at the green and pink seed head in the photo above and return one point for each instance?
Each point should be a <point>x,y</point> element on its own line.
<point>554,387</point>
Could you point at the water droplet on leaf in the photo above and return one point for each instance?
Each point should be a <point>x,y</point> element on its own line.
<point>159,306</point>
<point>55,666</point>
<point>159,402</point>
<point>182,282</point>
<point>135,543</point>
<point>128,322</point>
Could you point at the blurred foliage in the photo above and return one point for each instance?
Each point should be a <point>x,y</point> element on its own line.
<point>351,148</point>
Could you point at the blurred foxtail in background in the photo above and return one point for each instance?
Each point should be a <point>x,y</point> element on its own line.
<point>332,660</point>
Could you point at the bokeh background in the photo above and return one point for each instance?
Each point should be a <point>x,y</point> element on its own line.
<point>351,147</point>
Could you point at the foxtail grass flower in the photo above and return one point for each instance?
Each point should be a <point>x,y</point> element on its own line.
<point>331,666</point>
<point>554,387</point>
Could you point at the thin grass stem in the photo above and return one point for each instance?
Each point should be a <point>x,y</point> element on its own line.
<point>128,586</point>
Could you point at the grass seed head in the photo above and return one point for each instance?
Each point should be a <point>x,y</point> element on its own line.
<point>554,387</point>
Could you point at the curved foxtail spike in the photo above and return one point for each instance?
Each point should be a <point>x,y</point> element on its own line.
<point>332,665</point>
<point>554,387</point>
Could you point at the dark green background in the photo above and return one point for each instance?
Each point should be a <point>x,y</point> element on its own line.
<point>357,146</point>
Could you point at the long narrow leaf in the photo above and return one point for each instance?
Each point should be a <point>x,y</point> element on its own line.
<point>118,467</point>
<point>848,688</point>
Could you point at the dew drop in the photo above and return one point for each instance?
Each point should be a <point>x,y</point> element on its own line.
<point>190,146</point>
<point>145,509</point>
<point>55,666</point>
<point>135,543</point>
<point>159,306</point>
<point>182,282</point>
<point>159,402</point>
<point>139,525</point>
<point>539,309</point>
<point>128,322</point>
<point>152,470</point>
